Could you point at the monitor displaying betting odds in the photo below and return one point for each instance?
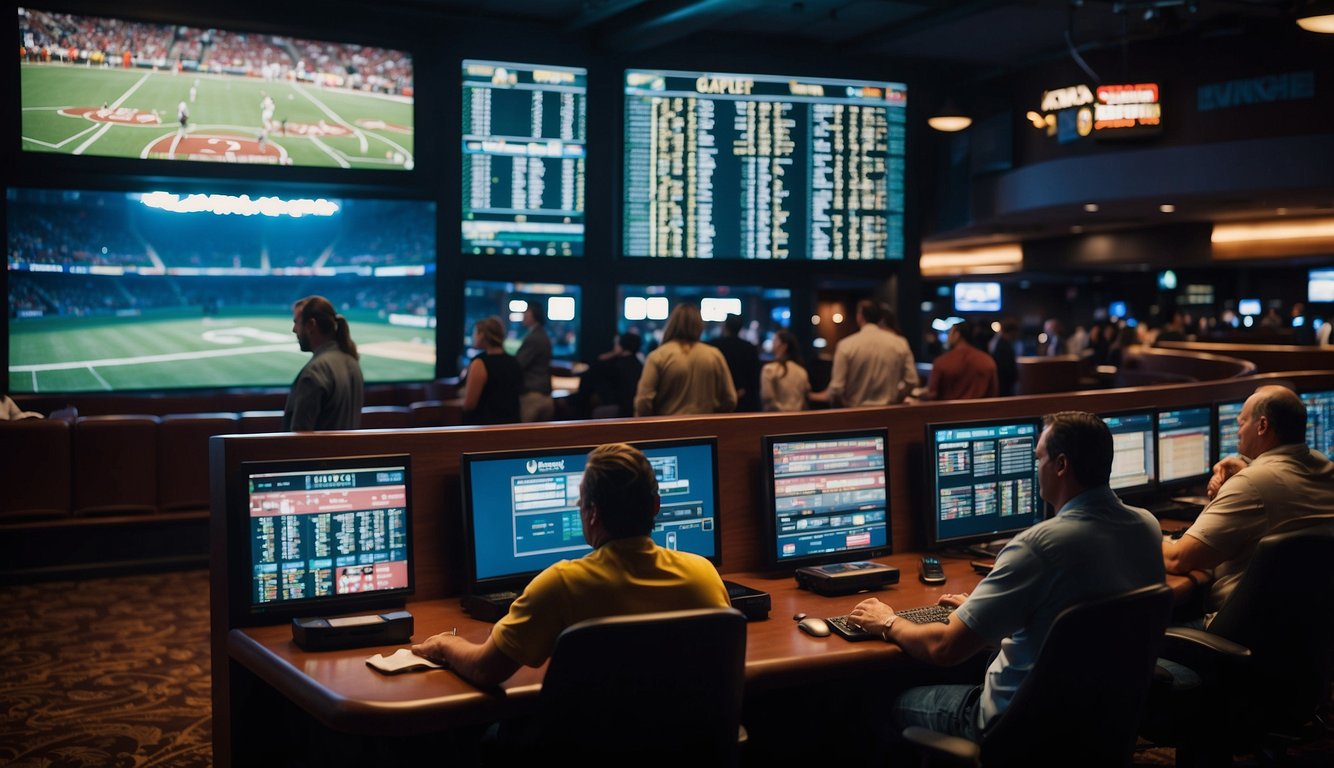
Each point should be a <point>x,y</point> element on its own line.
<point>1185,453</point>
<point>984,481</point>
<point>328,534</point>
<point>730,166</point>
<point>1133,465</point>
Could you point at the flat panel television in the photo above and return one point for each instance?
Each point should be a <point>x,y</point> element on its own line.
<point>521,513</point>
<point>1320,286</point>
<point>827,497</point>
<point>977,297</point>
<point>983,481</point>
<point>112,87</point>
<point>1133,465</point>
<point>1185,445</point>
<point>324,535</point>
<point>524,144</point>
<point>728,166</point>
<point>1320,420</point>
<point>1249,307</point>
<point>561,303</point>
<point>1227,428</point>
<point>114,291</point>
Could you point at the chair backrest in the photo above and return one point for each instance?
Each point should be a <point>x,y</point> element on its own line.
<point>385,417</point>
<point>662,687</point>
<point>115,465</point>
<point>1081,703</point>
<point>34,469</point>
<point>183,457</point>
<point>1283,610</point>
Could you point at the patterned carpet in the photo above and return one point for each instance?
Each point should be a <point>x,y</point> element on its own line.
<point>91,675</point>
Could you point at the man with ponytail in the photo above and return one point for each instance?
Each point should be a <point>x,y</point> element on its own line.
<point>327,394</point>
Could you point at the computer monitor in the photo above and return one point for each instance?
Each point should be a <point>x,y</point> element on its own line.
<point>1320,420</point>
<point>1185,445</point>
<point>324,535</point>
<point>1227,427</point>
<point>521,508</point>
<point>1133,465</point>
<point>983,480</point>
<point>826,497</point>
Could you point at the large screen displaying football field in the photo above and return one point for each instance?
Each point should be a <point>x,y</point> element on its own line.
<point>108,87</point>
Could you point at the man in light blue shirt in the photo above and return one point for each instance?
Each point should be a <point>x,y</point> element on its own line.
<point>1094,546</point>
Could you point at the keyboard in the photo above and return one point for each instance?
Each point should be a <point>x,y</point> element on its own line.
<point>926,614</point>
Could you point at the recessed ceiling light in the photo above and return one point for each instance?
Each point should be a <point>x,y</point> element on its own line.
<point>1091,207</point>
<point>1167,208</point>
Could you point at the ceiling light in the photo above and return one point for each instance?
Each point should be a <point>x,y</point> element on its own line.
<point>1167,208</point>
<point>1091,207</point>
<point>950,119</point>
<point>1317,17</point>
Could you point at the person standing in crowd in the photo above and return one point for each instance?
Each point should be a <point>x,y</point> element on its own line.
<point>491,392</point>
<point>613,378</point>
<point>626,573</point>
<point>328,392</point>
<point>871,367</point>
<point>1055,342</point>
<point>683,375</point>
<point>784,383</point>
<point>1275,479</point>
<point>1002,349</point>
<point>1044,570</point>
<point>534,356</point>
<point>743,360</point>
<point>963,373</point>
<point>1174,329</point>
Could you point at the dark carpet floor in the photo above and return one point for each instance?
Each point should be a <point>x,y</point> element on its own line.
<point>115,672</point>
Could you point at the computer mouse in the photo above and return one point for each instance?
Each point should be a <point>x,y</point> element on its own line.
<point>814,626</point>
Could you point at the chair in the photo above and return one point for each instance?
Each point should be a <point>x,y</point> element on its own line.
<point>34,469</point>
<point>183,457</point>
<point>115,465</point>
<point>386,417</point>
<point>259,422</point>
<point>656,688</point>
<point>1081,702</point>
<point>1265,660</point>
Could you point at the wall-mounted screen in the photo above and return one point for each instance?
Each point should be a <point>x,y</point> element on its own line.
<point>114,87</point>
<point>1320,286</point>
<point>521,508</point>
<point>524,143</point>
<point>977,297</point>
<point>727,166</point>
<point>325,535</point>
<point>1249,307</point>
<point>561,304</point>
<point>644,309</point>
<point>157,290</point>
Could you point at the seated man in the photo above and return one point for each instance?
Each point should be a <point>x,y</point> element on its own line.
<point>1277,478</point>
<point>625,573</point>
<point>1094,546</point>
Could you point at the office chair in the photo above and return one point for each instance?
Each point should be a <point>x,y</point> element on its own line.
<point>1081,702</point>
<point>655,688</point>
<point>1264,662</point>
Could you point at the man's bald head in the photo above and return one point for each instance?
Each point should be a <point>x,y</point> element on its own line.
<point>1283,410</point>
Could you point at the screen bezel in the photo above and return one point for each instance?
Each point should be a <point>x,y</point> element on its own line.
<point>1152,483</point>
<point>239,539</point>
<point>517,581</point>
<point>930,525</point>
<point>1211,422</point>
<point>769,525</point>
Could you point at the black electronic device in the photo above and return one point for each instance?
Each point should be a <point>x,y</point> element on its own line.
<point>753,603</point>
<point>489,606</point>
<point>1185,452</point>
<point>930,571</point>
<point>333,633</point>
<point>983,481</point>
<point>1134,468</point>
<point>983,566</point>
<point>846,578</point>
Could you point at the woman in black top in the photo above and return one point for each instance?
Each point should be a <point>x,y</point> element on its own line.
<point>491,394</point>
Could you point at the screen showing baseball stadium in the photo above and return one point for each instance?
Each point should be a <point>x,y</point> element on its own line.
<point>111,87</point>
<point>113,291</point>
<point>726,166</point>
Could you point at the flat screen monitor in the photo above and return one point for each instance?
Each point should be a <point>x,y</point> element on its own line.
<point>644,309</point>
<point>524,144</point>
<point>1185,445</point>
<point>1227,428</point>
<point>1133,465</point>
<point>983,481</point>
<point>521,513</point>
<point>159,290</point>
<point>1249,307</point>
<point>977,297</point>
<point>1320,420</point>
<point>738,166</point>
<point>113,87</point>
<point>1320,286</point>
<point>827,497</point>
<point>561,303</point>
<point>324,536</point>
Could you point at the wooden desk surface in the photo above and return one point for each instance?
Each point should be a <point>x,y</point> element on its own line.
<point>337,687</point>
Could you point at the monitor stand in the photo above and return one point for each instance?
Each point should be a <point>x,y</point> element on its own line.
<point>988,549</point>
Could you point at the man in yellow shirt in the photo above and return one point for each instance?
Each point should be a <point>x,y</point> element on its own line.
<point>626,573</point>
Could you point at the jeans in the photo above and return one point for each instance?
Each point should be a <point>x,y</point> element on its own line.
<point>950,709</point>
